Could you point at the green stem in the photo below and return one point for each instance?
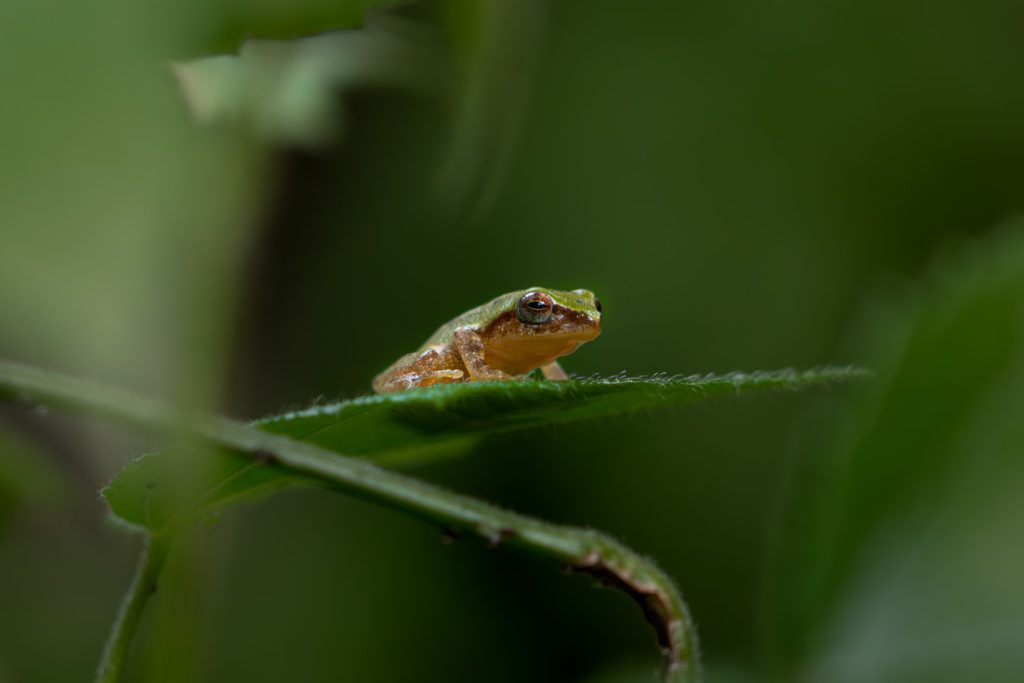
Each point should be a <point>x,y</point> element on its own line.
<point>578,550</point>
<point>176,624</point>
<point>144,583</point>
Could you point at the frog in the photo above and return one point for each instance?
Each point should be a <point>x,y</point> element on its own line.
<point>505,339</point>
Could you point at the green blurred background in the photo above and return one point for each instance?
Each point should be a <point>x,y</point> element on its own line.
<point>739,182</point>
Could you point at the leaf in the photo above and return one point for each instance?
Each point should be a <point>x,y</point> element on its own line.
<point>496,50</point>
<point>479,59</point>
<point>415,427</point>
<point>397,427</point>
<point>158,490</point>
<point>27,476</point>
<point>222,25</point>
<point>287,91</point>
<point>578,550</point>
<point>902,555</point>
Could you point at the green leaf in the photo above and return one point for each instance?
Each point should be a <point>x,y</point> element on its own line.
<point>222,25</point>
<point>287,91</point>
<point>158,490</point>
<point>415,427</point>
<point>27,476</point>
<point>398,428</point>
<point>578,550</point>
<point>496,50</point>
<point>479,59</point>
<point>902,545</point>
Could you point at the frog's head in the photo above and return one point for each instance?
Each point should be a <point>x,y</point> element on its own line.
<point>537,325</point>
<point>544,312</point>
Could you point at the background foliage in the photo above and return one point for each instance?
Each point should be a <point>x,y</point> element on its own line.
<point>745,185</point>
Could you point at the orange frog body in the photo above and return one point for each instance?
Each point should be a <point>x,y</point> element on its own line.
<point>507,338</point>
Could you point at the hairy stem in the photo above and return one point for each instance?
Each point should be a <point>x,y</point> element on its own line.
<point>144,583</point>
<point>578,550</point>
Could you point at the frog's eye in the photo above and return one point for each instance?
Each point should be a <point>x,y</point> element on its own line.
<point>535,308</point>
<point>597,304</point>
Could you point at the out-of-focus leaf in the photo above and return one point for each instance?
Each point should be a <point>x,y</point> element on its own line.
<point>27,477</point>
<point>479,58</point>
<point>106,193</point>
<point>902,550</point>
<point>495,50</point>
<point>160,489</point>
<point>290,91</point>
<point>223,25</point>
<point>416,426</point>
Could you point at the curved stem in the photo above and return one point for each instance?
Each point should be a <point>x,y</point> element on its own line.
<point>122,633</point>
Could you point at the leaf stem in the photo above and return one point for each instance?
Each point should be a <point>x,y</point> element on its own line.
<point>578,550</point>
<point>122,633</point>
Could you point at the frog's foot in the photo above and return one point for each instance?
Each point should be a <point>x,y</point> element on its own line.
<point>440,377</point>
<point>412,380</point>
<point>489,374</point>
<point>554,372</point>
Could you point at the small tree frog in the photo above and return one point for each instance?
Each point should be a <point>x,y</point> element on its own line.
<point>507,338</point>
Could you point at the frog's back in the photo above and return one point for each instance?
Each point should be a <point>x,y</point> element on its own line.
<point>474,318</point>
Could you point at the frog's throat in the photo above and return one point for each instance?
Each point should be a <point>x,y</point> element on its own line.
<point>519,356</point>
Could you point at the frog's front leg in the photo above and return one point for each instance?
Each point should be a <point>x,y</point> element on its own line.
<point>554,372</point>
<point>471,349</point>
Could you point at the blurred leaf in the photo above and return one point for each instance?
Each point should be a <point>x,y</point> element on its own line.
<point>224,25</point>
<point>417,426</point>
<point>161,489</point>
<point>290,92</point>
<point>495,49</point>
<point>27,476</point>
<point>902,545</point>
<point>480,57</point>
<point>98,158</point>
